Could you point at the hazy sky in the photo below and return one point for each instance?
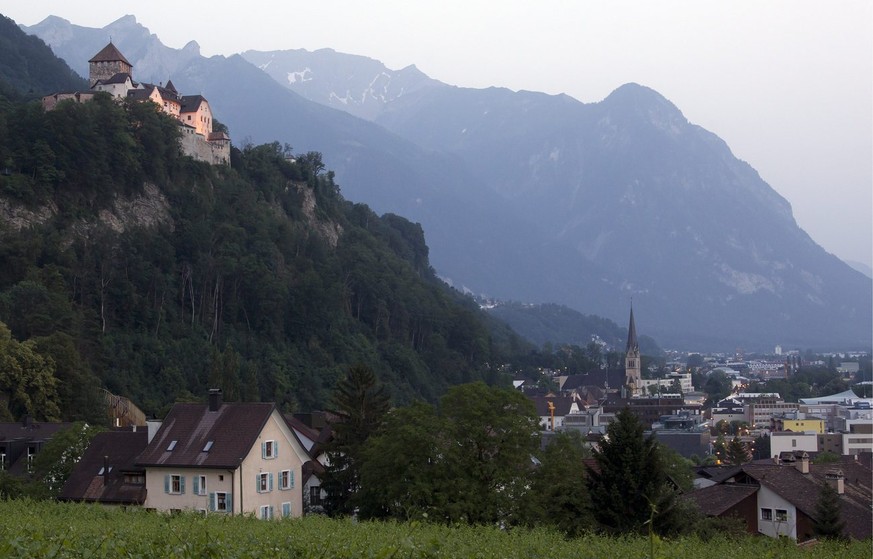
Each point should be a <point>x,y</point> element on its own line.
<point>787,84</point>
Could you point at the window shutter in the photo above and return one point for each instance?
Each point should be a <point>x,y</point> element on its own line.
<point>212,502</point>
<point>292,479</point>
<point>270,516</point>
<point>167,483</point>
<point>182,485</point>
<point>196,484</point>
<point>276,449</point>
<point>229,502</point>
<point>286,509</point>
<point>270,486</point>
<point>258,483</point>
<point>263,450</point>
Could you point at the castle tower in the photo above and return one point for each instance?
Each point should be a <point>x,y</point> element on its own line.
<point>632,364</point>
<point>107,63</point>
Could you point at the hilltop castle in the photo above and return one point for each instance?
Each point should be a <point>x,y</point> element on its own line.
<point>110,72</point>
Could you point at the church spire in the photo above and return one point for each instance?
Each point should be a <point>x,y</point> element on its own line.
<point>632,361</point>
<point>632,344</point>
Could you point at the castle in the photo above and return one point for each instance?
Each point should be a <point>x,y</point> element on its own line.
<point>110,72</point>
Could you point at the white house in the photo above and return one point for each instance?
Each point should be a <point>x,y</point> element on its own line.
<point>232,458</point>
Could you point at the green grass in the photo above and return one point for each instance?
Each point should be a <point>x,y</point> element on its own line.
<point>36,529</point>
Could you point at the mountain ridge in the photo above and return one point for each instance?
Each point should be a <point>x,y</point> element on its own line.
<point>586,205</point>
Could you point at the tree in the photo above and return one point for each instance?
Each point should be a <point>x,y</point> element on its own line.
<point>403,474</point>
<point>491,434</point>
<point>717,386</point>
<point>361,404</point>
<point>828,522</point>
<point>27,379</point>
<point>558,495</point>
<point>737,452</point>
<point>54,463</point>
<point>629,483</point>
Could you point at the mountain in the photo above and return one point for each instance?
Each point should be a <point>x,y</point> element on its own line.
<point>129,267</point>
<point>28,67</point>
<point>560,325</point>
<point>541,198</point>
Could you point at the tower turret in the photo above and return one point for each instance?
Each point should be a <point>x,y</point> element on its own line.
<point>106,63</point>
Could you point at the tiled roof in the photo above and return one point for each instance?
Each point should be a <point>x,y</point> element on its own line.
<point>597,377</point>
<point>717,474</point>
<point>30,430</point>
<point>715,500</point>
<point>190,103</point>
<point>233,430</point>
<point>802,490</point>
<point>110,54</point>
<point>120,77</point>
<point>88,480</point>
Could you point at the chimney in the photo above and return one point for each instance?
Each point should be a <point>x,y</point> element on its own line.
<point>802,465</point>
<point>214,399</point>
<point>836,479</point>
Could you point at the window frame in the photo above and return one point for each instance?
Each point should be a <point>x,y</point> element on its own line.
<point>269,450</point>
<point>766,514</point>
<point>221,501</point>
<point>781,515</point>
<point>265,512</point>
<point>264,482</point>
<point>175,484</point>
<point>200,485</point>
<point>286,480</point>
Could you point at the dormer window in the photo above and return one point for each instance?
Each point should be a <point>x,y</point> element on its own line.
<point>171,446</point>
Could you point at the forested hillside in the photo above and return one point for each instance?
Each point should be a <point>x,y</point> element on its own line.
<point>128,266</point>
<point>28,68</point>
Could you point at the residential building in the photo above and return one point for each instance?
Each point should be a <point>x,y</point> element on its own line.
<point>779,499</point>
<point>553,409</point>
<point>798,422</point>
<point>108,473</point>
<point>20,442</point>
<point>788,441</point>
<point>225,457</point>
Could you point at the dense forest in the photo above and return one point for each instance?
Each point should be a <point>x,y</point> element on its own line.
<point>130,267</point>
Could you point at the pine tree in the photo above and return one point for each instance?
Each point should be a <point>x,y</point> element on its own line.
<point>737,452</point>
<point>828,521</point>
<point>630,480</point>
<point>361,403</point>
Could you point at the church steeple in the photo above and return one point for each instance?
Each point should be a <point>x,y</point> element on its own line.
<point>632,343</point>
<point>632,363</point>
